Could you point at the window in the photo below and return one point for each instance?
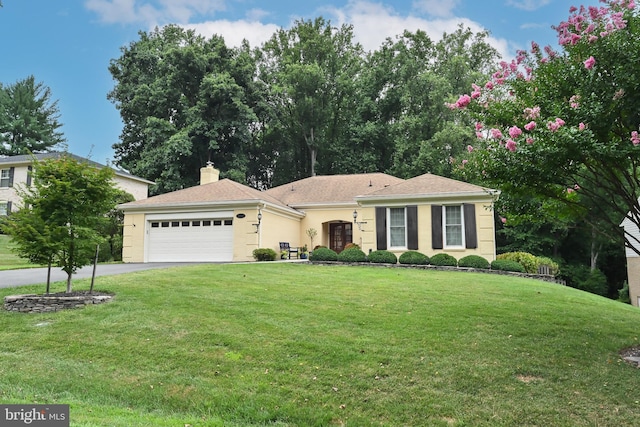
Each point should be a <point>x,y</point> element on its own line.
<point>397,228</point>
<point>217,222</point>
<point>185,223</point>
<point>6,177</point>
<point>453,226</point>
<point>175,223</point>
<point>206,223</point>
<point>228,222</point>
<point>4,209</point>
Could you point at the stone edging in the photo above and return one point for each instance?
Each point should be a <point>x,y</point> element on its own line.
<point>543,277</point>
<point>53,302</point>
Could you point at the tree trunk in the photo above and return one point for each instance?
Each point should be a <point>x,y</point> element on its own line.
<point>49,277</point>
<point>595,249</point>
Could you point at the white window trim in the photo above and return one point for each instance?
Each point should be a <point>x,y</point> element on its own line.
<point>404,247</point>
<point>3,177</point>
<point>444,228</point>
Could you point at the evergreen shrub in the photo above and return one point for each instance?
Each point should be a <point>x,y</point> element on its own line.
<point>322,253</point>
<point>444,260</point>
<point>352,254</point>
<point>507,265</point>
<point>525,259</point>
<point>414,258</point>
<point>473,261</point>
<point>382,257</point>
<point>264,254</point>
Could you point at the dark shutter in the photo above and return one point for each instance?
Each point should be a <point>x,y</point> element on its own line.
<point>412,227</point>
<point>11,171</point>
<point>8,208</point>
<point>29,172</point>
<point>436,227</point>
<point>381,228</point>
<point>470,234</point>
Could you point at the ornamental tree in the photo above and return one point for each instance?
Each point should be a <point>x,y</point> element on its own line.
<point>564,124</point>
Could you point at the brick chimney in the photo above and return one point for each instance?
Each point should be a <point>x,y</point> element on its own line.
<point>209,174</point>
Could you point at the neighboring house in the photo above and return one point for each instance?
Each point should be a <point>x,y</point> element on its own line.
<point>15,172</point>
<point>633,262</point>
<point>222,220</point>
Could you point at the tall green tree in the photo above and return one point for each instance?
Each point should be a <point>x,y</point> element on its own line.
<point>564,125</point>
<point>28,118</point>
<point>310,71</point>
<point>62,213</point>
<point>184,101</point>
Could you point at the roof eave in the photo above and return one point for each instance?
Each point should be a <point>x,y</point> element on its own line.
<point>471,195</point>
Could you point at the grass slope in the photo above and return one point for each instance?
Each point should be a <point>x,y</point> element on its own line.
<point>300,345</point>
<point>8,259</point>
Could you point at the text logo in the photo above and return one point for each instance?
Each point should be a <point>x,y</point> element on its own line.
<point>34,415</point>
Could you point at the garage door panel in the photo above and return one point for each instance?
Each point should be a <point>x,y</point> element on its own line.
<point>190,240</point>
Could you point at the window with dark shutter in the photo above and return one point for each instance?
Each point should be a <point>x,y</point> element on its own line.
<point>381,228</point>
<point>29,173</point>
<point>412,227</point>
<point>470,233</point>
<point>436,227</point>
<point>11,172</point>
<point>8,208</point>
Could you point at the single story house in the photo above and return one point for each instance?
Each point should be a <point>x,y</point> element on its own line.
<point>222,220</point>
<point>15,172</point>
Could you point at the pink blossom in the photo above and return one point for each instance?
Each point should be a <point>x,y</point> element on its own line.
<point>479,135</point>
<point>463,101</point>
<point>478,126</point>
<point>495,133</point>
<point>511,145</point>
<point>515,131</point>
<point>464,162</point>
<point>489,85</point>
<point>560,122</point>
<point>529,140</point>
<point>581,126</point>
<point>569,190</point>
<point>635,139</point>
<point>532,113</point>
<point>503,220</point>
<point>552,126</point>
<point>593,39</point>
<point>572,9</point>
<point>469,148</point>
<point>573,101</point>
<point>589,63</point>
<point>576,187</point>
<point>530,126</point>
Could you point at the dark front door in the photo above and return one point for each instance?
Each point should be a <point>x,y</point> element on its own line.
<point>340,234</point>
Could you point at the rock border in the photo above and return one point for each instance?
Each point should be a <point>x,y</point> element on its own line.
<point>47,303</point>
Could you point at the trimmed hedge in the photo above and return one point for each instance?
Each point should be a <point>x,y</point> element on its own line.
<point>444,260</point>
<point>414,258</point>
<point>473,261</point>
<point>507,265</point>
<point>525,259</point>
<point>382,257</point>
<point>323,254</point>
<point>352,254</point>
<point>264,254</point>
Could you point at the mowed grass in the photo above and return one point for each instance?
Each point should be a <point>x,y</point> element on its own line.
<point>8,259</point>
<point>302,345</point>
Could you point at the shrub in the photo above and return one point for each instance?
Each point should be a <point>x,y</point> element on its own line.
<point>507,265</point>
<point>444,260</point>
<point>583,278</point>
<point>525,259</point>
<point>473,261</point>
<point>413,257</point>
<point>352,254</point>
<point>383,257</point>
<point>322,253</point>
<point>351,245</point>
<point>264,254</point>
<point>623,293</point>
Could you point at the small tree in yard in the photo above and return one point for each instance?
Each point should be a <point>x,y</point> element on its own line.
<point>62,213</point>
<point>564,125</point>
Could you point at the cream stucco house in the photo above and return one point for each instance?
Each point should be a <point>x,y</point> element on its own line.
<point>15,172</point>
<point>633,260</point>
<point>222,220</point>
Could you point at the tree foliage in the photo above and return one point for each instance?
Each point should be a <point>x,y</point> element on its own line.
<point>28,118</point>
<point>564,125</point>
<point>62,213</point>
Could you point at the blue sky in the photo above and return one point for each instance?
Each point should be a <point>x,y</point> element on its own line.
<point>68,45</point>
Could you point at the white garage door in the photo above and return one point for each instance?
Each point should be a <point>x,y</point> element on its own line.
<point>190,240</point>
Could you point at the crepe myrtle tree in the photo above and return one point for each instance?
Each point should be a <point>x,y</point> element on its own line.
<point>62,213</point>
<point>564,124</point>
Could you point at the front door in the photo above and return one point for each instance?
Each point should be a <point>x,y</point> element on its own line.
<point>340,234</point>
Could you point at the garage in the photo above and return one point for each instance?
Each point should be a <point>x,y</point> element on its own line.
<point>190,239</point>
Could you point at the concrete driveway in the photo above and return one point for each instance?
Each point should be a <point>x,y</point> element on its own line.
<point>34,276</point>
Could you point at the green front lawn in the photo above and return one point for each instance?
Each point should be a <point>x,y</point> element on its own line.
<point>302,345</point>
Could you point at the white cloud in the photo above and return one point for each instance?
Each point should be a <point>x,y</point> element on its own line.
<point>528,4</point>
<point>436,7</point>
<point>152,13</point>
<point>234,32</point>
